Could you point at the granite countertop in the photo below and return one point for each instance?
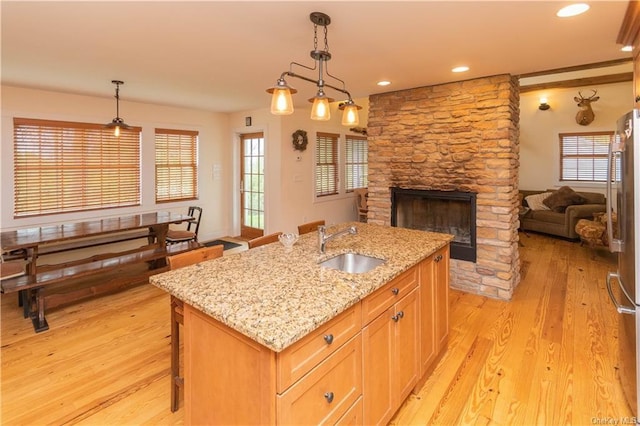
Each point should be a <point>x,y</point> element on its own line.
<point>276,295</point>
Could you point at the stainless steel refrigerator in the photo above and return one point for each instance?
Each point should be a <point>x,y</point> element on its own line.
<point>623,194</point>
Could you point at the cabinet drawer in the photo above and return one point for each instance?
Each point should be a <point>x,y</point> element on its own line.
<point>296,360</point>
<point>378,302</point>
<point>328,391</point>
<point>353,417</point>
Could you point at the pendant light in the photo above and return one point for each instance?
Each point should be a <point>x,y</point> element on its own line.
<point>281,102</point>
<point>117,123</point>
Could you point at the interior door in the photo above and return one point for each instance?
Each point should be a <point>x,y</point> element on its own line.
<point>252,185</point>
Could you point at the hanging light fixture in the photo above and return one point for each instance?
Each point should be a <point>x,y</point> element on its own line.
<point>117,123</point>
<point>281,102</point>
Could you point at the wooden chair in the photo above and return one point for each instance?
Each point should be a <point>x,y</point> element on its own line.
<point>177,313</point>
<point>180,235</point>
<point>305,228</point>
<point>260,241</point>
<point>361,203</point>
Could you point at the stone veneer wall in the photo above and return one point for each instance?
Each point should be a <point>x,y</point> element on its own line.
<point>460,136</point>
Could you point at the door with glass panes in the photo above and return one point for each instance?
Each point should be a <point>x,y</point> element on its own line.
<point>252,185</point>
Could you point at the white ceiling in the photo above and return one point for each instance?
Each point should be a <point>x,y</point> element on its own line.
<point>221,56</point>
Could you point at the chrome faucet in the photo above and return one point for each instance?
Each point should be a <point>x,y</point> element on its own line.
<point>323,238</point>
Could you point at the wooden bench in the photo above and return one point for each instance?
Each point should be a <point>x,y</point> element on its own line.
<point>32,287</point>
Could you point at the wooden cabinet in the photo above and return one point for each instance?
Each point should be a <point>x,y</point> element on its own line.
<point>390,348</point>
<point>433,298</point>
<point>629,35</point>
<point>357,368</point>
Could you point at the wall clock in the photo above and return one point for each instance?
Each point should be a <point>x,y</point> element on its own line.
<point>300,140</point>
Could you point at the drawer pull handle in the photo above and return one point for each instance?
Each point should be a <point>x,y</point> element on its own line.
<point>329,396</point>
<point>395,291</point>
<point>328,338</point>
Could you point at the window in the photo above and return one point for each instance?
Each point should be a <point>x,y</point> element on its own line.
<point>64,167</point>
<point>176,165</point>
<point>326,164</point>
<point>583,156</point>
<point>356,163</point>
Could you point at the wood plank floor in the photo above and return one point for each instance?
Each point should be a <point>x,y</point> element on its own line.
<point>548,357</point>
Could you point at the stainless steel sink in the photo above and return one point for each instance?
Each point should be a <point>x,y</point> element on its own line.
<point>352,263</point>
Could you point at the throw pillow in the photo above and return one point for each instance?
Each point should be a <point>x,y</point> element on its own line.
<point>535,201</point>
<point>564,197</point>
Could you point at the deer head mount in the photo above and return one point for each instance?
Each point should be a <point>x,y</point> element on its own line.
<point>585,115</point>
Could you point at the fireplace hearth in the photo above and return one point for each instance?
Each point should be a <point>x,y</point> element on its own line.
<point>449,212</point>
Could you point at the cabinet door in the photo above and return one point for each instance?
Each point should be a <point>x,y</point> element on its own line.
<point>441,260</point>
<point>378,344</point>
<point>427,307</point>
<point>405,368</point>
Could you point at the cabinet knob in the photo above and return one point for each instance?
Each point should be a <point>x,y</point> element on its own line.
<point>329,396</point>
<point>395,291</point>
<point>397,316</point>
<point>328,338</point>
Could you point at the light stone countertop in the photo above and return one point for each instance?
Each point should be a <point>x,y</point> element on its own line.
<point>276,295</point>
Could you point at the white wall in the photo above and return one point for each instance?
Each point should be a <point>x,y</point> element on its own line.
<point>539,144</point>
<point>289,181</point>
<point>290,173</point>
<point>214,150</point>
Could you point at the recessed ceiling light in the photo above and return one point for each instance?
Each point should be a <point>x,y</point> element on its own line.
<point>572,10</point>
<point>383,83</point>
<point>627,48</point>
<point>460,69</point>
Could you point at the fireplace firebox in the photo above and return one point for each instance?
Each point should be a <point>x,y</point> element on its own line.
<point>448,212</point>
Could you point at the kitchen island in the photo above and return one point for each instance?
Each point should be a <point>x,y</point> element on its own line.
<point>272,337</point>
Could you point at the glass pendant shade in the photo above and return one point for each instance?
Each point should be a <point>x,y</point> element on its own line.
<point>281,102</point>
<point>320,110</point>
<point>350,116</point>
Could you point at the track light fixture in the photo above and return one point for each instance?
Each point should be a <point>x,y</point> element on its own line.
<point>117,123</point>
<point>281,102</point>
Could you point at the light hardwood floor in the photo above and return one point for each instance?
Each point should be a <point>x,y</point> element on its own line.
<point>547,357</point>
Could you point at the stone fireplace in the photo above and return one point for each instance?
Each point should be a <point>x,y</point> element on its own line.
<point>449,212</point>
<point>456,137</point>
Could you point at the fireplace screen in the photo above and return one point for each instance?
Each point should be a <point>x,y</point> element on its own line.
<point>438,211</point>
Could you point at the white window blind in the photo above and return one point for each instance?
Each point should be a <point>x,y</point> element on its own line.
<point>583,156</point>
<point>176,165</point>
<point>66,166</point>
<point>356,162</point>
<point>326,164</point>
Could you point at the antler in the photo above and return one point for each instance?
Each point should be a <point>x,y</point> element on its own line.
<point>590,97</point>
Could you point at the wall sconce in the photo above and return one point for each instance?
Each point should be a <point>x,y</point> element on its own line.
<point>543,104</point>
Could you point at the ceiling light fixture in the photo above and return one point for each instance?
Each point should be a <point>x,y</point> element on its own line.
<point>462,68</point>
<point>281,102</point>
<point>117,123</point>
<point>627,48</point>
<point>383,83</point>
<point>572,10</point>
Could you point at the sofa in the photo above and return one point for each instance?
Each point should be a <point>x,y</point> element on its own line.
<point>559,220</point>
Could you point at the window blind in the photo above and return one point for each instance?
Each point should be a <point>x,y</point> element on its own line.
<point>326,164</point>
<point>356,162</point>
<point>176,165</point>
<point>66,166</point>
<point>583,156</point>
